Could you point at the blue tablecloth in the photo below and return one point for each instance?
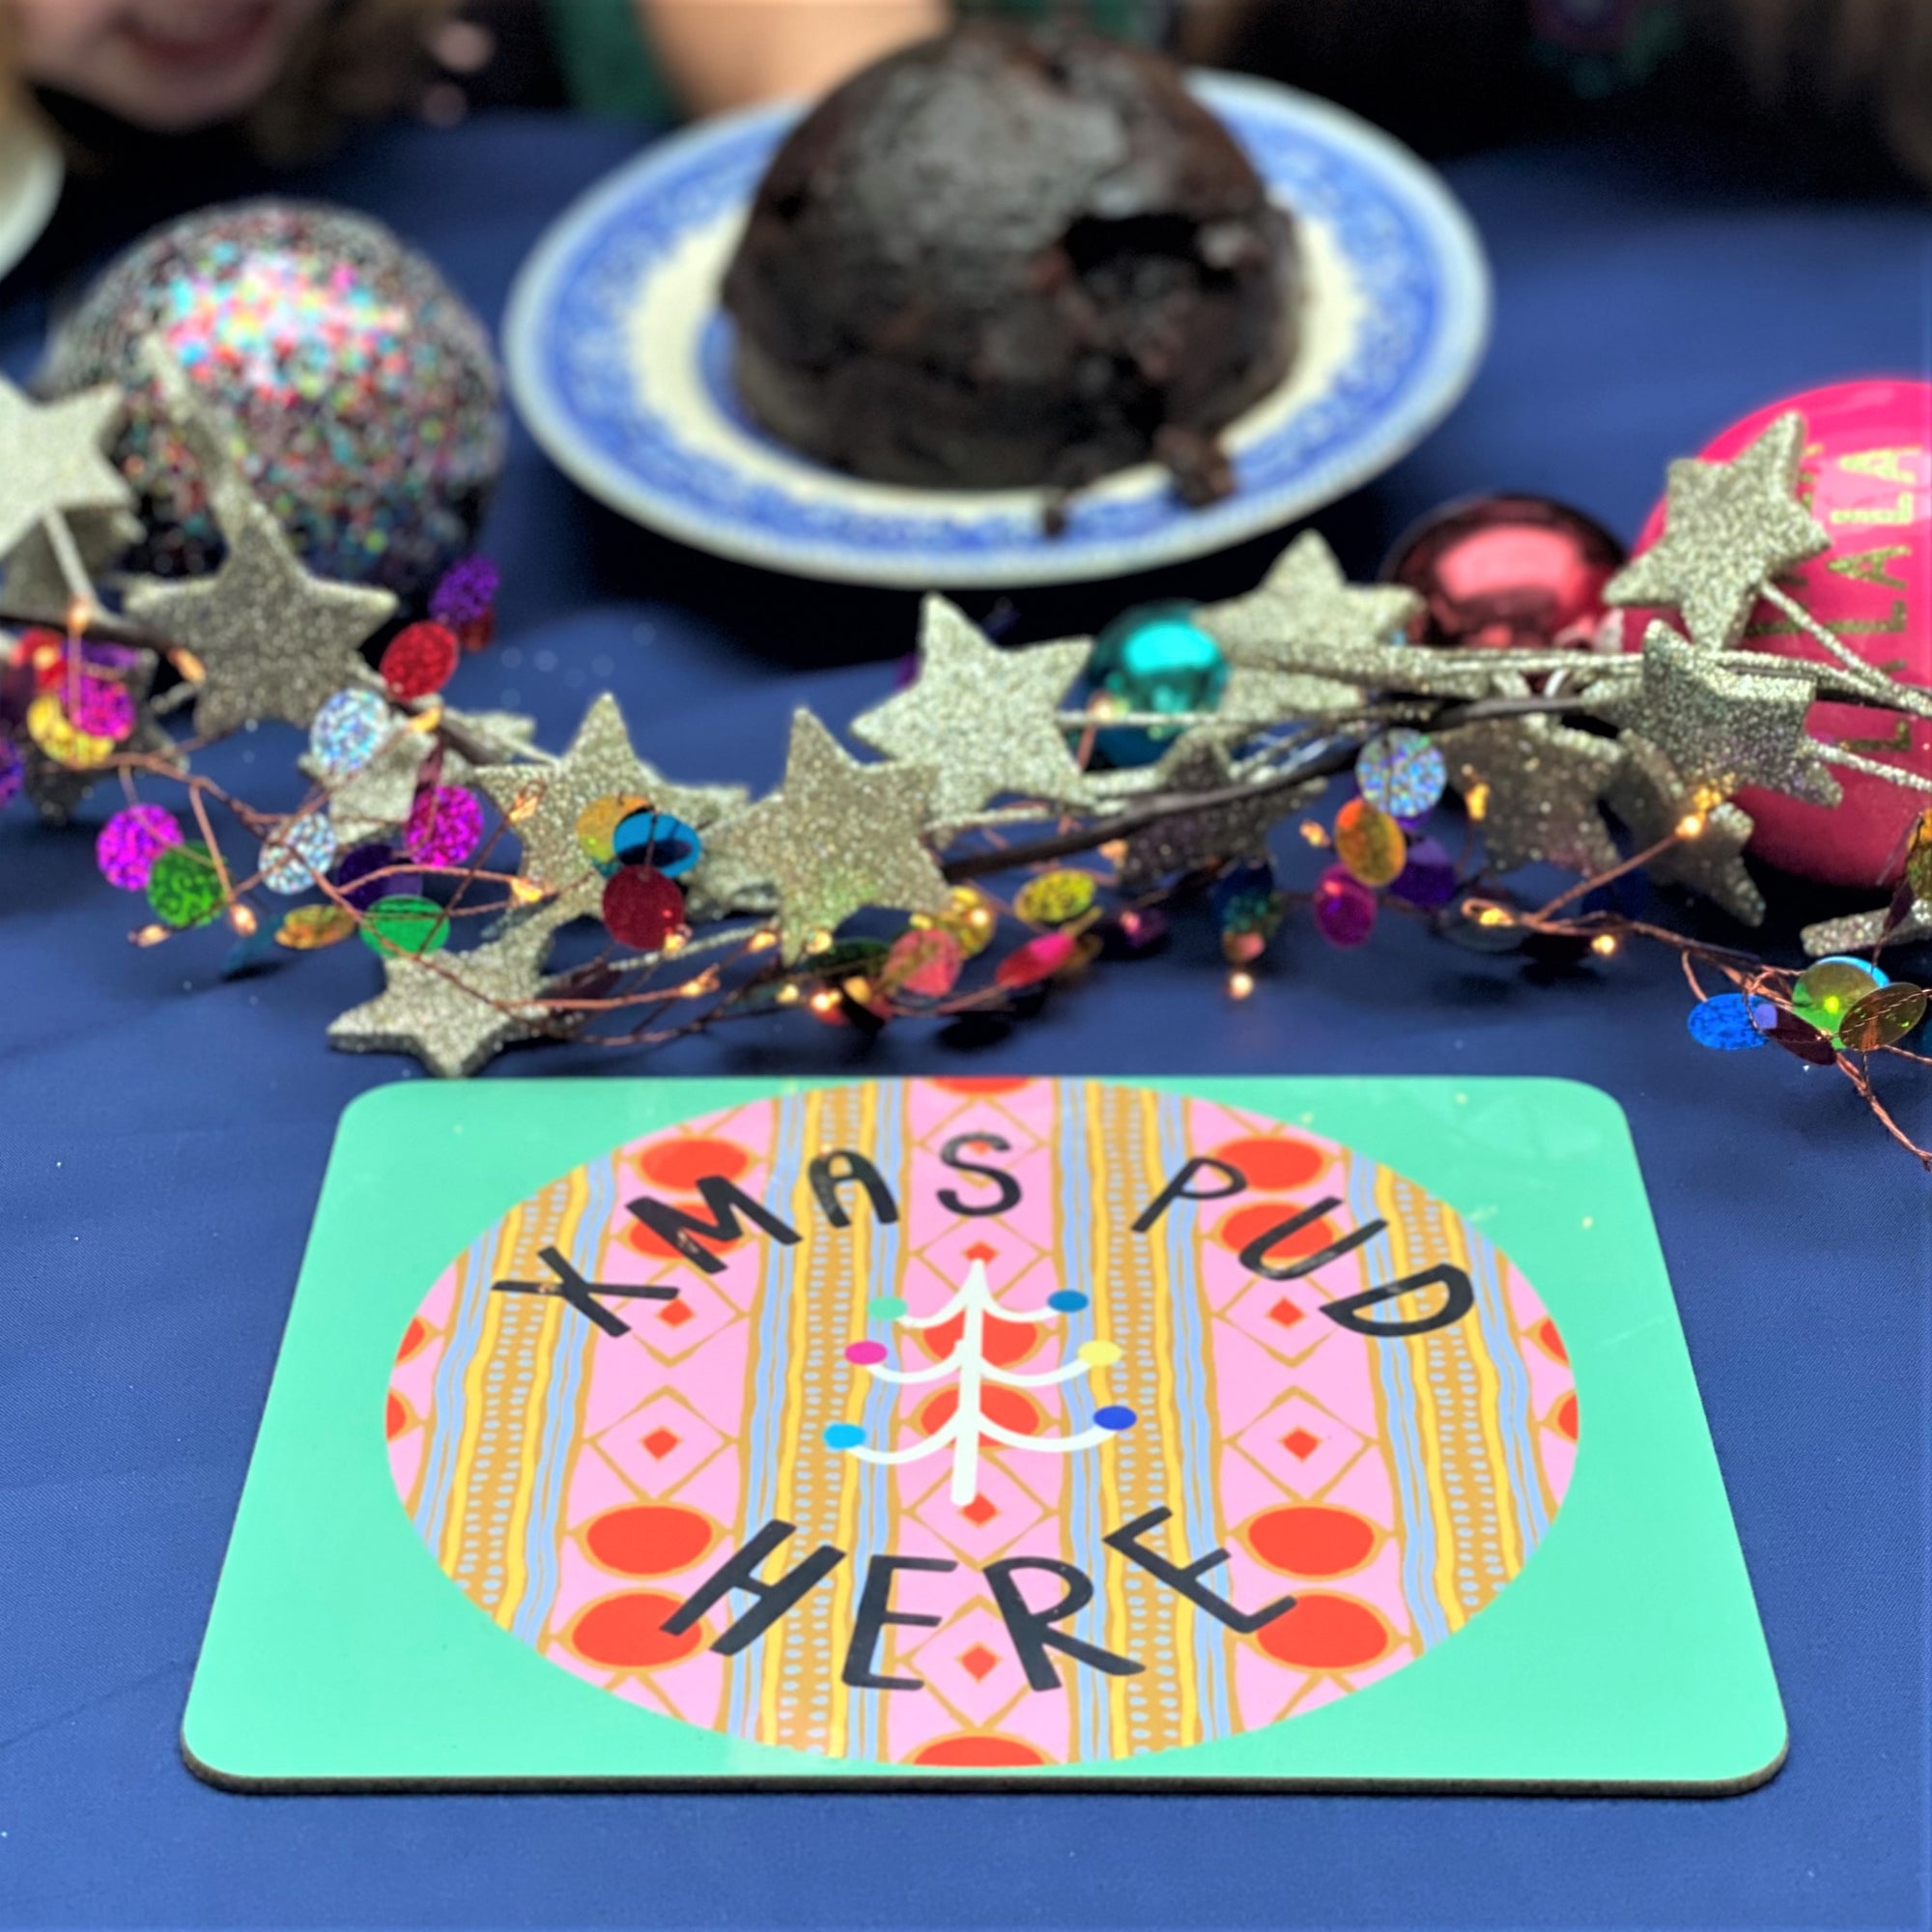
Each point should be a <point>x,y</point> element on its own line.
<point>163,1136</point>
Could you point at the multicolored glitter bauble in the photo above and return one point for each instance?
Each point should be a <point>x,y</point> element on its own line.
<point>1868,478</point>
<point>358,393</point>
<point>1509,572</point>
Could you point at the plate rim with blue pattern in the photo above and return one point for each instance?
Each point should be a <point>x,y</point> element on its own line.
<point>1400,266</point>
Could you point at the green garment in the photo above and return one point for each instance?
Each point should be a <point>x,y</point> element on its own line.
<point>609,68</point>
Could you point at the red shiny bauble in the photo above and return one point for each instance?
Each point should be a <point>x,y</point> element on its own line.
<point>1868,477</point>
<point>1508,572</point>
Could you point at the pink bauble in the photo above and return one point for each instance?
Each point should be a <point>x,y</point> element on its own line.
<point>1868,464</point>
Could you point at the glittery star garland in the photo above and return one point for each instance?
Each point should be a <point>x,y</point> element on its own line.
<point>1189,839</point>
<point>1533,787</point>
<point>1729,528</point>
<point>835,838</point>
<point>1649,797</point>
<point>455,1015</point>
<point>544,804</point>
<point>272,640</point>
<point>56,462</point>
<point>1723,729</point>
<point>980,718</point>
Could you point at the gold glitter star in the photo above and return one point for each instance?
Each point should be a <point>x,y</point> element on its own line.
<point>836,837</point>
<point>1279,696</point>
<point>1533,784</point>
<point>455,1013</point>
<point>1305,604</point>
<point>1730,527</point>
<point>377,798</point>
<point>1723,729</point>
<point>1650,798</point>
<point>1859,931</point>
<point>981,718</point>
<point>273,641</point>
<point>54,461</point>
<point>600,763</point>
<point>1189,839</point>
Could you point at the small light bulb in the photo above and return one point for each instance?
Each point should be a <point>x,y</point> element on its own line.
<point>1604,945</point>
<point>763,942</point>
<point>675,942</point>
<point>1492,915</point>
<point>1692,825</point>
<point>858,989</point>
<point>242,919</point>
<point>524,803</point>
<point>819,942</point>
<point>1477,799</point>
<point>81,615</point>
<point>526,891</point>
<point>1316,835</point>
<point>189,664</point>
<point>1241,985</point>
<point>426,721</point>
<point>787,994</point>
<point>149,935</point>
<point>979,916</point>
<point>825,1001</point>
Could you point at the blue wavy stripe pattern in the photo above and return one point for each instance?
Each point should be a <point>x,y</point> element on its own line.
<point>865,1732</point>
<point>466,1332</point>
<point>543,1542</point>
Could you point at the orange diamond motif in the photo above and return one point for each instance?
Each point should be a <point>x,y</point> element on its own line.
<point>660,1442</point>
<point>674,1314</point>
<point>1284,1312</point>
<point>980,1510</point>
<point>977,1662</point>
<point>1299,1443</point>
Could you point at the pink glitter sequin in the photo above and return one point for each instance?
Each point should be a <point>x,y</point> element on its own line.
<point>130,842</point>
<point>445,826</point>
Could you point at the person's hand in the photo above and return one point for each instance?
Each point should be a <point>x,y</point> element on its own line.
<point>729,53</point>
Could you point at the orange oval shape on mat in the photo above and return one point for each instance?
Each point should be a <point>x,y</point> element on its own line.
<point>1326,1631</point>
<point>627,1633</point>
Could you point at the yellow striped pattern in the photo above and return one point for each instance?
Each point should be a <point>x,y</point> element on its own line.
<point>505,1397</point>
<point>1456,1421</point>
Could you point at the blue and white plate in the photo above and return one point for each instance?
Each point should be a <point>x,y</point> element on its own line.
<point>619,357</point>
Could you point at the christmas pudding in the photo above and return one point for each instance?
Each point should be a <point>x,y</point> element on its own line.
<point>1012,257</point>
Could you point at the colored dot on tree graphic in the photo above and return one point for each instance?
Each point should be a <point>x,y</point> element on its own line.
<point>974,1378</point>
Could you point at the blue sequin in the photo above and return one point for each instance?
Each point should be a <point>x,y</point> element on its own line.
<point>1724,1023</point>
<point>657,838</point>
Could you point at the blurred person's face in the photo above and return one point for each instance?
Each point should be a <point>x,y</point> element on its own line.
<point>167,65</point>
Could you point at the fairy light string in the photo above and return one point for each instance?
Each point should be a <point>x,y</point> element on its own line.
<point>990,784</point>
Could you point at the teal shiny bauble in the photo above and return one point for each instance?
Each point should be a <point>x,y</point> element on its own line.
<point>1155,659</point>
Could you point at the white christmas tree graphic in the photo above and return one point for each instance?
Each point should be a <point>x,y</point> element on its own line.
<point>968,1426</point>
